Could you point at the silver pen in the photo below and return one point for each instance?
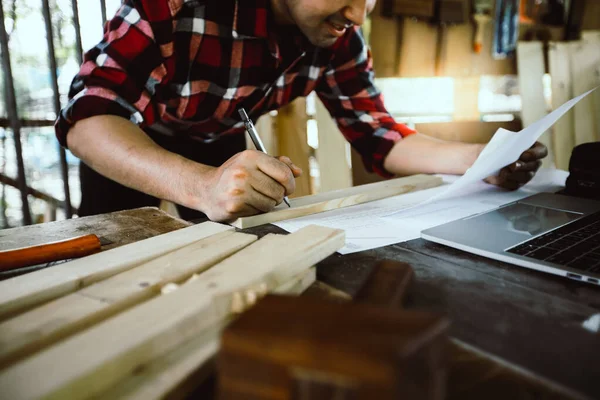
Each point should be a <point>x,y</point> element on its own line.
<point>256,139</point>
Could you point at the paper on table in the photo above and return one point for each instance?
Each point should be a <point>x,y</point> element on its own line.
<point>402,218</point>
<point>379,223</point>
<point>505,148</point>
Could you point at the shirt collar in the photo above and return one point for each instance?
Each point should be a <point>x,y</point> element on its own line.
<point>255,19</point>
<point>252,19</point>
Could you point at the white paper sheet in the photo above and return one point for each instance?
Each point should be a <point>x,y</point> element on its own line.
<point>401,218</point>
<point>379,223</point>
<point>505,148</point>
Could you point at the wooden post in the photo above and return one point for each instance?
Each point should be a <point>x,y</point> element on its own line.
<point>530,63</point>
<point>384,42</point>
<point>418,49</point>
<point>563,136</point>
<point>466,99</point>
<point>333,153</point>
<point>292,141</point>
<point>585,67</point>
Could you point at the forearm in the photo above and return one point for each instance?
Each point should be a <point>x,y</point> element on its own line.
<point>121,151</point>
<point>420,153</point>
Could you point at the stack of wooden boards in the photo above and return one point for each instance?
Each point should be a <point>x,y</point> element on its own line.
<point>101,327</point>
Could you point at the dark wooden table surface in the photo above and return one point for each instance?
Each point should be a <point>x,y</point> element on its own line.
<point>528,318</point>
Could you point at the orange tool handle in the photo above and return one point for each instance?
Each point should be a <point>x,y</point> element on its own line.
<point>59,250</point>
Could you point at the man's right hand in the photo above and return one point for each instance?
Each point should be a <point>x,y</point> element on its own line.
<point>248,183</point>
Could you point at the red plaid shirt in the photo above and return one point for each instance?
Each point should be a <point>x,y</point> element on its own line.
<point>188,66</point>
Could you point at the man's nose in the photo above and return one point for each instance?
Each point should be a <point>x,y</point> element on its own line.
<point>356,11</point>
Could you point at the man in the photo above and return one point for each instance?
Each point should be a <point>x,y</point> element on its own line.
<point>154,109</point>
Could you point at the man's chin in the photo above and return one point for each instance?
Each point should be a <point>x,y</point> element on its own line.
<point>323,41</point>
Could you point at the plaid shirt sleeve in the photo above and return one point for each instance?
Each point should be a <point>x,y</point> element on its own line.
<point>348,92</point>
<point>120,75</point>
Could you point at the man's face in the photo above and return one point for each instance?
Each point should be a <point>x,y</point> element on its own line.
<point>324,21</point>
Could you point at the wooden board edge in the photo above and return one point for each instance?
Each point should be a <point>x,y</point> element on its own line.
<point>428,182</point>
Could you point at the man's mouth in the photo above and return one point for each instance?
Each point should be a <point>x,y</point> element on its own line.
<point>338,29</point>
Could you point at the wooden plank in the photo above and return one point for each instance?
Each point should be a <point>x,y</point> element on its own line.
<point>414,8</point>
<point>23,292</point>
<point>531,67</point>
<point>121,227</point>
<point>293,142</point>
<point>417,49</point>
<point>341,198</point>
<point>333,153</point>
<point>29,332</point>
<point>459,60</point>
<point>89,363</point>
<point>586,76</point>
<point>563,135</point>
<point>466,101</point>
<point>384,41</point>
<point>167,376</point>
<point>265,127</point>
<point>585,67</point>
<point>116,228</point>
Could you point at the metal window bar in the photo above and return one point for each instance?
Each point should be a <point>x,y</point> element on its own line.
<point>103,11</point>
<point>15,123</point>
<point>78,43</point>
<point>53,74</point>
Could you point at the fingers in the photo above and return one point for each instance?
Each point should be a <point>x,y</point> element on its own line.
<point>521,177</point>
<point>278,171</point>
<point>535,152</point>
<point>267,186</point>
<point>260,202</point>
<point>243,200</point>
<point>523,170</point>
<point>510,179</point>
<point>525,166</point>
<point>250,184</point>
<point>297,171</point>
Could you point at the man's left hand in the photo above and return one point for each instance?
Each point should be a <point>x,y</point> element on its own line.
<point>521,171</point>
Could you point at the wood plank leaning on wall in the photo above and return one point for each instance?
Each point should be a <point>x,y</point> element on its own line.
<point>332,153</point>
<point>406,47</point>
<point>585,71</point>
<point>293,142</point>
<point>563,135</point>
<point>530,63</point>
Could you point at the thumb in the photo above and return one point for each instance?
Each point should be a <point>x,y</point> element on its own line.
<point>297,171</point>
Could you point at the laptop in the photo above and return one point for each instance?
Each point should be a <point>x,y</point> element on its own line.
<point>547,232</point>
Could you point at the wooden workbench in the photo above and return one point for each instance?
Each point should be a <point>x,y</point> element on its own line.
<point>530,319</point>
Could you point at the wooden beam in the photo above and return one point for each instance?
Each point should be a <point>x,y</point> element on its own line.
<point>585,69</point>
<point>31,331</point>
<point>563,135</point>
<point>293,142</point>
<point>530,63</point>
<point>417,49</point>
<point>23,292</point>
<point>177,373</point>
<point>341,198</point>
<point>333,153</point>
<point>384,41</point>
<point>466,100</point>
<point>91,362</point>
<point>266,129</point>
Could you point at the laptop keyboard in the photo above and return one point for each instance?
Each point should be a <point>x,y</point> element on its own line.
<point>576,245</point>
